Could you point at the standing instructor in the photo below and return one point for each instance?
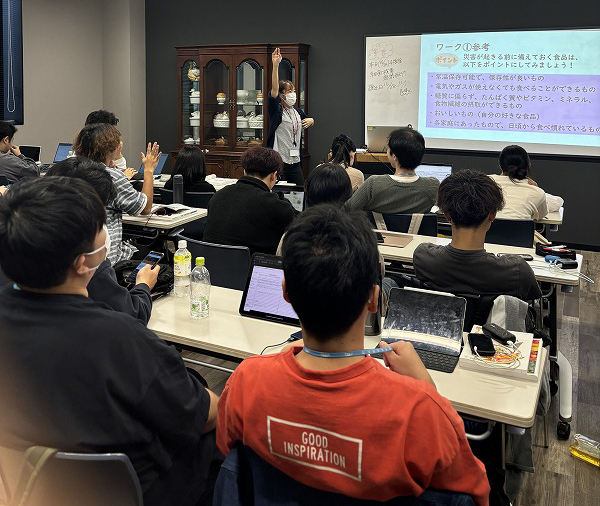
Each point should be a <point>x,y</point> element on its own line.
<point>286,123</point>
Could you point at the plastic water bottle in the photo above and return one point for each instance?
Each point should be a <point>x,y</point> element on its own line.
<point>181,270</point>
<point>199,290</point>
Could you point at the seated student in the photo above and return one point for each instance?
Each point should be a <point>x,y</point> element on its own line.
<point>388,432</point>
<point>343,152</point>
<point>13,164</point>
<point>103,287</point>
<point>404,191</point>
<point>248,213</point>
<point>102,381</point>
<point>104,116</point>
<point>190,163</point>
<point>470,201</point>
<point>524,199</point>
<point>101,143</point>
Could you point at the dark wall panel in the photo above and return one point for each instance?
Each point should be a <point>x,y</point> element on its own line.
<point>336,30</point>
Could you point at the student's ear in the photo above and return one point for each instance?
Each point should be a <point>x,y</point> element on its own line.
<point>273,176</point>
<point>284,289</point>
<point>6,140</point>
<point>447,216</point>
<point>492,216</point>
<point>79,267</point>
<point>373,299</point>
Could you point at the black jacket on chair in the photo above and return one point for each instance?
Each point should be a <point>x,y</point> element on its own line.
<point>248,214</point>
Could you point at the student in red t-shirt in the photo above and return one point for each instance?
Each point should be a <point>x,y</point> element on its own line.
<point>347,425</point>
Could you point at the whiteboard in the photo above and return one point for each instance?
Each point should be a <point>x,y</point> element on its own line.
<point>414,79</point>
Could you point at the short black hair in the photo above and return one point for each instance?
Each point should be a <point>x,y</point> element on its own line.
<point>468,197</point>
<point>408,145</point>
<point>261,162</point>
<point>89,171</point>
<point>328,182</point>
<point>515,162</point>
<point>101,116</point>
<point>341,147</point>
<point>330,263</point>
<point>7,130</point>
<point>45,224</point>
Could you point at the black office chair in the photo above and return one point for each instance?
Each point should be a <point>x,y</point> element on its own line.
<point>166,196</point>
<point>401,223</point>
<point>70,479</point>
<point>197,199</point>
<point>511,233</point>
<point>245,478</point>
<point>228,265</point>
<point>478,309</point>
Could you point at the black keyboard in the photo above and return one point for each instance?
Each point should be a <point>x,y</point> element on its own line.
<point>431,359</point>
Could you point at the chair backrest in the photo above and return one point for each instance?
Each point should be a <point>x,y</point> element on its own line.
<point>166,196</point>
<point>247,479</point>
<point>228,265</point>
<point>401,223</point>
<point>74,479</point>
<point>511,233</point>
<point>197,199</point>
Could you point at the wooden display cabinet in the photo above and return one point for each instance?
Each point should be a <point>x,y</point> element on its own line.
<point>220,108</point>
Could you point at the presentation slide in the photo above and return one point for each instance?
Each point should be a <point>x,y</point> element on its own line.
<point>482,91</point>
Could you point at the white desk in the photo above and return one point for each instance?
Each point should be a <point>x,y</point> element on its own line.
<point>542,271</point>
<point>164,222</point>
<point>555,218</point>
<point>505,400</point>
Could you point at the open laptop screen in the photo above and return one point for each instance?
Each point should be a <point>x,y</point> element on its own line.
<point>63,151</point>
<point>439,171</point>
<point>159,167</point>
<point>263,295</point>
<point>32,152</point>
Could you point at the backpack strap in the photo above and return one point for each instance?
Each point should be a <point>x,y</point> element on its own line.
<point>415,223</point>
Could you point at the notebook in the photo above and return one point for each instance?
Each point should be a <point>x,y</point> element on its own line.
<point>263,295</point>
<point>431,321</point>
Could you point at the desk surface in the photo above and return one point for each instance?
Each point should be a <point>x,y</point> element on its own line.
<point>542,271</point>
<point>507,400</point>
<point>165,222</point>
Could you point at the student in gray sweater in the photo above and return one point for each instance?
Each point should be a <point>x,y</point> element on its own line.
<point>403,191</point>
<point>13,165</point>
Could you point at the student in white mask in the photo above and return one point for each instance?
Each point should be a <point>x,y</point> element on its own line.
<point>103,286</point>
<point>286,123</point>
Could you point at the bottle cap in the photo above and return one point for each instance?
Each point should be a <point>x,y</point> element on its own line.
<point>199,261</point>
<point>182,243</point>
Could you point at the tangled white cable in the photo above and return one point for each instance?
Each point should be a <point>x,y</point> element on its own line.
<point>506,357</point>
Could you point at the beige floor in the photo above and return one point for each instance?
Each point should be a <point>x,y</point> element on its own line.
<point>559,479</point>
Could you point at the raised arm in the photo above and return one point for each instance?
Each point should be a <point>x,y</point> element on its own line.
<point>276,57</point>
<point>150,161</point>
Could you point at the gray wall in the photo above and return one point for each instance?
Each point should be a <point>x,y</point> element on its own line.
<point>336,30</point>
<point>78,56</point>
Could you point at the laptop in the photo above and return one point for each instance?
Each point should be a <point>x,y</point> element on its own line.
<point>157,171</point>
<point>431,321</point>
<point>263,295</point>
<point>438,170</point>
<point>377,137</point>
<point>32,152</point>
<point>63,151</point>
<point>296,198</point>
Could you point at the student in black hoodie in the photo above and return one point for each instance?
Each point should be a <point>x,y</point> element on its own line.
<point>103,287</point>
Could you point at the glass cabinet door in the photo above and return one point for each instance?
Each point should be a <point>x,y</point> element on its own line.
<point>287,71</point>
<point>249,101</point>
<point>216,104</point>
<point>190,102</point>
<point>302,82</point>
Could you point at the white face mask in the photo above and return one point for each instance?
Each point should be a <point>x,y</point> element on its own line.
<point>290,98</point>
<point>106,246</point>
